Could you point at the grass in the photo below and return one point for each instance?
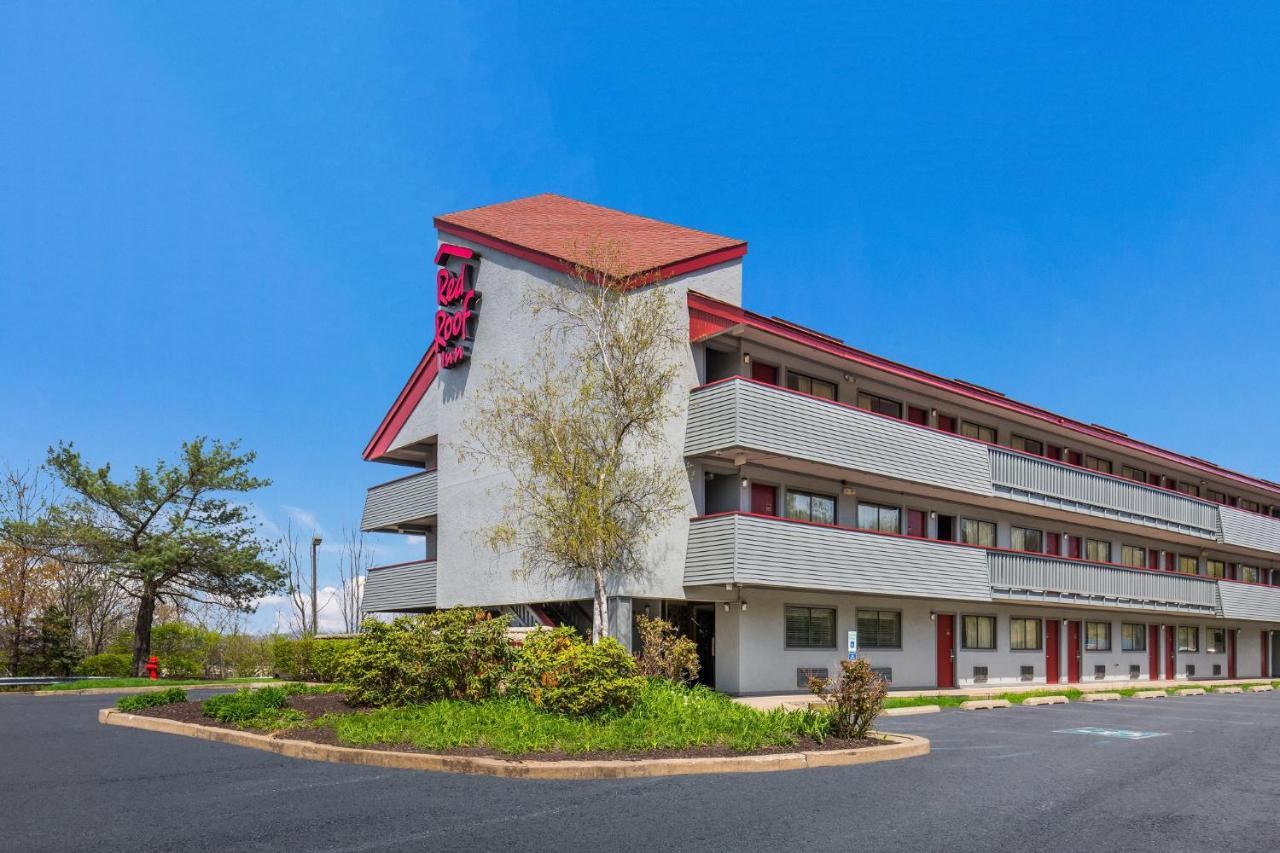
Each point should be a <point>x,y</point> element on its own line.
<point>142,701</point>
<point>665,717</point>
<point>82,684</point>
<point>263,709</point>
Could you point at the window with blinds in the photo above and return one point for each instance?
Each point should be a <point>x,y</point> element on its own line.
<point>879,629</point>
<point>810,627</point>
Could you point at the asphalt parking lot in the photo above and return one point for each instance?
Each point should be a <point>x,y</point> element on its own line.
<point>1206,778</point>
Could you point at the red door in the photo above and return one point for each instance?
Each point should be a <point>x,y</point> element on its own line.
<point>915,523</point>
<point>1231,653</point>
<point>1266,657</point>
<point>1153,652</point>
<point>1074,547</point>
<point>946,650</point>
<point>1053,543</point>
<point>764,499</point>
<point>1170,652</point>
<point>766,373</point>
<point>1073,652</point>
<point>1052,651</point>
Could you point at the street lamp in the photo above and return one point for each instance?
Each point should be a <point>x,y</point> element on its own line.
<point>315,621</point>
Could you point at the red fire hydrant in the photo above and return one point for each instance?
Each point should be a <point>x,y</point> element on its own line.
<point>153,667</point>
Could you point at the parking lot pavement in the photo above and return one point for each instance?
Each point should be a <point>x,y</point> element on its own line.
<point>1206,778</point>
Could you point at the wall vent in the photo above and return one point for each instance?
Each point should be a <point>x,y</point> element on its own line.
<point>1135,670</point>
<point>1100,670</point>
<point>804,673</point>
<point>980,675</point>
<point>1191,670</point>
<point>885,672</point>
<point>1028,673</point>
<point>1217,669</point>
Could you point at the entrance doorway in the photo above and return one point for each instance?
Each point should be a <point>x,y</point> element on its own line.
<point>946,650</point>
<point>765,373</point>
<point>1170,652</point>
<point>697,621</point>
<point>764,499</point>
<point>1231,653</point>
<point>1052,652</point>
<point>1153,652</point>
<point>1073,652</point>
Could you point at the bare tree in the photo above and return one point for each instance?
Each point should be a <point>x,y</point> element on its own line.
<point>299,585</point>
<point>580,429</point>
<point>26,575</point>
<point>353,567</point>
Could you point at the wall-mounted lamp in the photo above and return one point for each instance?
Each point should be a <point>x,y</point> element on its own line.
<point>933,413</point>
<point>933,617</point>
<point>848,377</point>
<point>746,358</point>
<point>745,482</point>
<point>933,515</point>
<point>729,587</point>
<point>726,607</point>
<point>847,489</point>
<point>744,607</point>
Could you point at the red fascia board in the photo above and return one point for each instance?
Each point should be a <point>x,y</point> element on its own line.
<point>419,381</point>
<point>551,262</point>
<point>398,565</point>
<point>944,542</point>
<point>816,340</point>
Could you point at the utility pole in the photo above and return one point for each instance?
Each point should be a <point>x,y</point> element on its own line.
<point>315,614</point>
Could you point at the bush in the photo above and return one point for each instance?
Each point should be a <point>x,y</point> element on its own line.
<point>450,654</point>
<point>855,698</point>
<point>183,651</point>
<point>247,656</point>
<point>664,653</point>
<point>245,704</point>
<point>560,672</point>
<point>141,701</point>
<point>309,659</point>
<point>110,665</point>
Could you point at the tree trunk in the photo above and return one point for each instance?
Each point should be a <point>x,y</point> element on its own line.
<point>142,631</point>
<point>600,610</point>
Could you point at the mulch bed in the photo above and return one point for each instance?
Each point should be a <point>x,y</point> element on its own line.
<point>318,705</point>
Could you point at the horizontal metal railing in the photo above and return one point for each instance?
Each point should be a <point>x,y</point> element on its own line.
<point>1047,578</point>
<point>407,499</point>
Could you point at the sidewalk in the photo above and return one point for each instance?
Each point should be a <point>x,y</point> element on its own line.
<point>800,700</point>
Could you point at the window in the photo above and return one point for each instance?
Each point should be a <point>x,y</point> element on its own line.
<point>1133,638</point>
<point>810,507</point>
<point>810,627</point>
<point>879,629</point>
<point>1103,465</point>
<point>1097,551</point>
<point>1250,574</point>
<point>1215,640</point>
<point>809,385</point>
<point>1188,565</point>
<point>1251,506</point>
<point>1028,445</point>
<point>884,406</point>
<point>973,532</point>
<point>1097,636</point>
<point>1189,489</point>
<point>978,632</point>
<point>978,431</point>
<point>1216,497</point>
<point>1026,539</point>
<point>1132,555</point>
<point>1024,634</point>
<point>1188,638</point>
<point>886,519</point>
<point>1130,473</point>
<point>1215,568</point>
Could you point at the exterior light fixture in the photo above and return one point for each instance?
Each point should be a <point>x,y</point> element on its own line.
<point>745,482</point>
<point>848,377</point>
<point>729,587</point>
<point>933,617</point>
<point>746,358</point>
<point>933,413</point>
<point>744,607</point>
<point>847,489</point>
<point>726,607</point>
<point>933,515</point>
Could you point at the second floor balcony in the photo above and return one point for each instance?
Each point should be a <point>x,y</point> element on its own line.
<point>404,587</point>
<point>405,505</point>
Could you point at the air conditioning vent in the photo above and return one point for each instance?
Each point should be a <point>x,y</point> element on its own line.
<point>1028,673</point>
<point>1191,670</point>
<point>804,673</point>
<point>980,675</point>
<point>1135,670</point>
<point>1217,669</point>
<point>885,672</point>
<point>1100,670</point>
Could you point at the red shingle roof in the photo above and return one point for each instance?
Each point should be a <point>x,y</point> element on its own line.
<point>555,231</point>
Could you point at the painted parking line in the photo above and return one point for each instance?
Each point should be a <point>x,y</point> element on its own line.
<point>1122,734</point>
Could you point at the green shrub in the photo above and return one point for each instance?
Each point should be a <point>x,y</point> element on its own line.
<point>450,654</point>
<point>664,653</point>
<point>247,656</point>
<point>109,665</point>
<point>183,651</point>
<point>244,704</point>
<point>855,698</point>
<point>140,701</point>
<point>560,672</point>
<point>309,659</point>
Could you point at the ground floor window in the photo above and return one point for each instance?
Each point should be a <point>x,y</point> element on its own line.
<point>1024,634</point>
<point>1133,638</point>
<point>810,627</point>
<point>1215,641</point>
<point>1097,636</point>
<point>1188,638</point>
<point>978,632</point>
<point>879,629</point>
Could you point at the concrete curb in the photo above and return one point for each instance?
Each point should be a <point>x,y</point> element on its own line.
<point>1261,688</point>
<point>911,710</point>
<point>985,704</point>
<point>1228,690</point>
<point>1099,697</point>
<point>901,746</point>
<point>107,691</point>
<point>1150,694</point>
<point>1190,691</point>
<point>1045,700</point>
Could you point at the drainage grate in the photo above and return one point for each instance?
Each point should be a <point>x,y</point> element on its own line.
<point>1217,669</point>
<point>804,673</point>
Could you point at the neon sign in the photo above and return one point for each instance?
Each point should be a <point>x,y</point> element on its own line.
<point>458,300</point>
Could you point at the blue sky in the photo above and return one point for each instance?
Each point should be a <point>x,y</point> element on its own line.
<point>216,219</point>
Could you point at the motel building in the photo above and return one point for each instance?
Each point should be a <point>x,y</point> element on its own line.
<point>967,538</point>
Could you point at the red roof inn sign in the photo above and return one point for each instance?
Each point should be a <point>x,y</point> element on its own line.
<point>458,300</point>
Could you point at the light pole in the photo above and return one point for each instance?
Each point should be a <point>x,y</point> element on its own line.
<point>315,621</point>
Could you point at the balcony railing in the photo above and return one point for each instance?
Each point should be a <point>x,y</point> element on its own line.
<point>1249,601</point>
<point>1036,577</point>
<point>1249,529</point>
<point>402,587</point>
<point>1048,483</point>
<point>403,505</point>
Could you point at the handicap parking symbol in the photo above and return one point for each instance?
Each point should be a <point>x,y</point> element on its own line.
<point>1123,734</point>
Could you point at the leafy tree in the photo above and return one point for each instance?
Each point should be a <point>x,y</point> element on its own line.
<point>53,649</point>
<point>580,429</point>
<point>26,575</point>
<point>164,534</point>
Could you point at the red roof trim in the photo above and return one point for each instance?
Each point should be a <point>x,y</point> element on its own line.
<point>419,381</point>
<point>816,340</point>
<point>551,262</point>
